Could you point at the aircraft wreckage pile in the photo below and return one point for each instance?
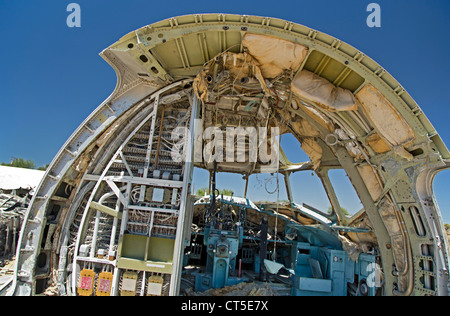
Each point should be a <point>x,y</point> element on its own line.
<point>16,185</point>
<point>115,214</point>
<point>12,210</point>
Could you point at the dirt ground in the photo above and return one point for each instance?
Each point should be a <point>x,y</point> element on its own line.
<point>241,289</point>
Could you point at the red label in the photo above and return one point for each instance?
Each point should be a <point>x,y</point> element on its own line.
<point>86,283</point>
<point>104,285</point>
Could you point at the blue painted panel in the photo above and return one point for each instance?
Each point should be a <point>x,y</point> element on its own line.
<point>220,273</point>
<point>315,285</point>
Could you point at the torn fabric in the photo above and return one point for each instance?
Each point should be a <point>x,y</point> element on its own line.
<point>377,144</point>
<point>313,150</point>
<point>322,93</point>
<point>370,179</point>
<point>386,119</point>
<point>274,55</point>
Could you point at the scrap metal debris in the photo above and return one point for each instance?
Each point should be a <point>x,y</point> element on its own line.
<point>12,210</point>
<point>241,289</point>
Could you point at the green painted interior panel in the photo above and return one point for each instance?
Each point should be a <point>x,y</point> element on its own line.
<point>160,249</point>
<point>147,248</point>
<point>133,246</point>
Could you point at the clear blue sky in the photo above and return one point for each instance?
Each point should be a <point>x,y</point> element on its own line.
<point>52,78</point>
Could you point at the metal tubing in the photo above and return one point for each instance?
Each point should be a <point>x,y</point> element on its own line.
<point>263,248</point>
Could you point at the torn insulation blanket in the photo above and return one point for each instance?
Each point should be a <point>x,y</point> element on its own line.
<point>309,86</point>
<point>313,150</point>
<point>371,181</point>
<point>300,126</point>
<point>316,116</point>
<point>392,222</point>
<point>386,119</point>
<point>377,144</point>
<point>274,55</point>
